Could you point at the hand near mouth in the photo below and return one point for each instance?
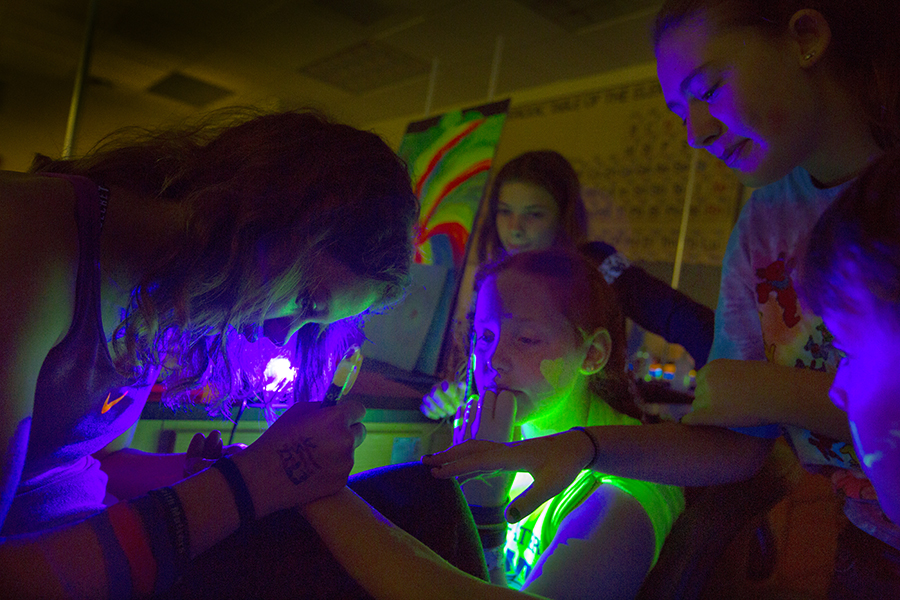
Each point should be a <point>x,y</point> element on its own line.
<point>489,417</point>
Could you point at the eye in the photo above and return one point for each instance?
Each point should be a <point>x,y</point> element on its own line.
<point>528,341</point>
<point>310,306</point>
<point>486,337</point>
<point>710,94</point>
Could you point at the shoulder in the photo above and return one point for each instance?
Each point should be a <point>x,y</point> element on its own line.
<point>38,265</point>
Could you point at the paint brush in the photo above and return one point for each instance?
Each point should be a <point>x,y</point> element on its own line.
<point>344,376</point>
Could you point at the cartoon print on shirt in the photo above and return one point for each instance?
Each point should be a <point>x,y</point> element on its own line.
<point>776,278</point>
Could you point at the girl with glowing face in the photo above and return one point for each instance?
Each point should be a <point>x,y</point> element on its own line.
<point>548,347</point>
<point>851,275</point>
<point>524,344</point>
<point>527,217</point>
<point>762,104</point>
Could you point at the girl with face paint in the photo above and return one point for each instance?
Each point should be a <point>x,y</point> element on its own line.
<point>548,354</point>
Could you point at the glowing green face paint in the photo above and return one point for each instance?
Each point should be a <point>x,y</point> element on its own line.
<point>552,370</point>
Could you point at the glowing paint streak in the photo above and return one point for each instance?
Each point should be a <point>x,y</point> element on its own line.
<point>441,152</point>
<point>457,233</point>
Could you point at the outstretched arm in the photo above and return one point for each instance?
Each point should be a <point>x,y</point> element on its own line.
<point>747,393</point>
<point>137,547</point>
<point>663,453</point>
<point>388,562</point>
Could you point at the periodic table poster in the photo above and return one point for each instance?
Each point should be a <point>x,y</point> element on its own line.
<point>633,161</point>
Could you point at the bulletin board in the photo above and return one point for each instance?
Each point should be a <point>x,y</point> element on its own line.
<point>633,162</point>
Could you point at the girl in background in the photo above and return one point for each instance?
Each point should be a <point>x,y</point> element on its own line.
<point>535,203</point>
<point>548,355</point>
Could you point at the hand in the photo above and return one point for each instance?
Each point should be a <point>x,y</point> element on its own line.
<point>443,400</point>
<point>203,451</point>
<point>307,453</point>
<point>554,461</point>
<point>489,417</point>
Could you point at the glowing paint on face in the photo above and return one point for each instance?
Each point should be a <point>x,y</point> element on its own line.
<point>552,370</point>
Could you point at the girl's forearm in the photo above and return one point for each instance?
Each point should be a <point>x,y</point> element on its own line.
<point>388,562</point>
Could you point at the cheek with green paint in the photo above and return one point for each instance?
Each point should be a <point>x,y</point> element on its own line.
<point>553,370</point>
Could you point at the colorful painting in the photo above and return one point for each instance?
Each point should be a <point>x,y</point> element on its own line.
<point>450,160</point>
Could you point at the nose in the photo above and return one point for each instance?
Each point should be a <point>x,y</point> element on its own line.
<point>497,359</point>
<point>702,128</point>
<point>517,225</point>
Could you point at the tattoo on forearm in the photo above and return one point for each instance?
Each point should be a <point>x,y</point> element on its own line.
<point>297,460</point>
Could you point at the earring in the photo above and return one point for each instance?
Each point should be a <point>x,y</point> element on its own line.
<point>809,55</point>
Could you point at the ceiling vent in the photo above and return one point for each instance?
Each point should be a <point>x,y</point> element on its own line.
<point>365,67</point>
<point>189,90</point>
<point>574,15</point>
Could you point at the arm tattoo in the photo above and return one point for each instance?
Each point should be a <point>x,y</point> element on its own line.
<point>297,460</point>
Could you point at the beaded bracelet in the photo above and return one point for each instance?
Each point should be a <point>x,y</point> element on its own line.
<point>594,443</point>
<point>242,498</point>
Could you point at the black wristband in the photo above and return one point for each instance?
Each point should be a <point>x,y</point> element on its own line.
<point>242,498</point>
<point>594,443</point>
<point>176,524</point>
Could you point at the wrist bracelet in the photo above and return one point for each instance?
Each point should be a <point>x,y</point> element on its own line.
<point>242,498</point>
<point>176,524</point>
<point>594,443</point>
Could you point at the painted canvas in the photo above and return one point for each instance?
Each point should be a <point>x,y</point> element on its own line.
<point>450,158</point>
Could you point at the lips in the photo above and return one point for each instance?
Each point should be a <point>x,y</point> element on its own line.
<point>733,153</point>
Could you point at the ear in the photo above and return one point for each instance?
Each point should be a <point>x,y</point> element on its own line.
<point>811,33</point>
<point>599,347</point>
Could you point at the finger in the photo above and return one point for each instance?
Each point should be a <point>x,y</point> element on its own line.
<point>505,406</point>
<point>469,410</point>
<point>359,434</point>
<point>212,448</point>
<point>195,448</point>
<point>352,410</point>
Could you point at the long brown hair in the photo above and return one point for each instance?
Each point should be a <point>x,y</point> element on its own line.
<point>262,193</point>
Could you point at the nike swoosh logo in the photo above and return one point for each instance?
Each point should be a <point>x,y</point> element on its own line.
<point>108,405</point>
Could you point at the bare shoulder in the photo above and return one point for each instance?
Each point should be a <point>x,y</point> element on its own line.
<point>38,267</point>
